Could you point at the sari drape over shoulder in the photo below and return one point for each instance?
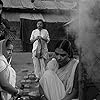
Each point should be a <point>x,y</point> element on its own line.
<point>52,86</point>
<point>66,74</point>
<point>10,74</point>
<point>56,83</point>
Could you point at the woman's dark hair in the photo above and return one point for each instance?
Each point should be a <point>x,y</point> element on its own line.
<point>8,42</point>
<point>1,2</point>
<point>66,46</point>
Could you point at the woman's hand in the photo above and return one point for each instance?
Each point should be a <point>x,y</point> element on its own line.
<point>39,37</point>
<point>44,39</point>
<point>20,92</point>
<point>43,97</point>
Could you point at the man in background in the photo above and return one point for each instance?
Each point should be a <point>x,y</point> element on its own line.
<point>40,39</point>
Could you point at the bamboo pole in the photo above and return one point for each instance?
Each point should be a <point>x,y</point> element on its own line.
<point>81,81</point>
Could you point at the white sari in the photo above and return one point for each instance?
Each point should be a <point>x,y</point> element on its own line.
<point>56,86</point>
<point>66,74</point>
<point>10,74</point>
<point>51,84</point>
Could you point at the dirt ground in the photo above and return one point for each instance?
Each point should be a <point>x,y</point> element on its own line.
<point>22,63</point>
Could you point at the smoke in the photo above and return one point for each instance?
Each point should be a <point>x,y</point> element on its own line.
<point>87,27</point>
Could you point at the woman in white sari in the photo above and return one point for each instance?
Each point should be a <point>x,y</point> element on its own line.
<point>57,82</point>
<point>7,73</point>
<point>51,84</point>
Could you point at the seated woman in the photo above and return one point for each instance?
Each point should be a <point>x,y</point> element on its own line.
<point>7,73</point>
<point>50,79</point>
<point>58,81</point>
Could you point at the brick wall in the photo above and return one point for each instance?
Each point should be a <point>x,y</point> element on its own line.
<point>15,32</point>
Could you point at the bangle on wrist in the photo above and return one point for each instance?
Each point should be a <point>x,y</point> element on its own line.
<point>42,95</point>
<point>16,93</point>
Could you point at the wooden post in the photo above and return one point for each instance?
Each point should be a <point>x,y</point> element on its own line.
<point>81,81</point>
